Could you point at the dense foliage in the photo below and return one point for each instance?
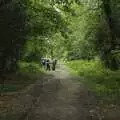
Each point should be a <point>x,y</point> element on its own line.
<point>64,29</point>
<point>104,82</point>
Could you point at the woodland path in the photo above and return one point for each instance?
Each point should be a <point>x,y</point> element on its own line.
<point>63,98</point>
<point>58,96</point>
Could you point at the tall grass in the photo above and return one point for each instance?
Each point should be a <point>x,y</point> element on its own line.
<point>104,82</point>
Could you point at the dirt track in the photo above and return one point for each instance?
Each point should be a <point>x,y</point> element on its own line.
<point>57,96</point>
<point>63,98</point>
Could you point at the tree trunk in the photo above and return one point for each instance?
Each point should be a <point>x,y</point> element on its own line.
<point>108,14</point>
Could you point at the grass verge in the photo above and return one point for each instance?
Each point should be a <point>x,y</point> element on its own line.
<point>28,73</point>
<point>104,82</point>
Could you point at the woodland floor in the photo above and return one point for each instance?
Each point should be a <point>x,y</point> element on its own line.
<point>57,96</point>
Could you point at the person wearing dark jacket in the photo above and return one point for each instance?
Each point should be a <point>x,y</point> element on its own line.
<point>48,65</point>
<point>54,64</point>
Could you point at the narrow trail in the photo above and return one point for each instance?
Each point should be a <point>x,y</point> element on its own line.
<point>62,98</point>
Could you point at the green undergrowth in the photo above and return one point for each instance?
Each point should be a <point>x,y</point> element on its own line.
<point>105,82</point>
<point>32,67</point>
<point>14,82</point>
<point>27,74</point>
<point>7,88</point>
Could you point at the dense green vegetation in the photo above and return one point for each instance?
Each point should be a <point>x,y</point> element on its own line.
<point>101,80</point>
<point>62,29</point>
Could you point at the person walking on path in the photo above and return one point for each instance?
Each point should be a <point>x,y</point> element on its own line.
<point>54,64</point>
<point>48,65</point>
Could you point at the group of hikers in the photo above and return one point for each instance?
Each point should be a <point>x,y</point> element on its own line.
<point>49,64</point>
